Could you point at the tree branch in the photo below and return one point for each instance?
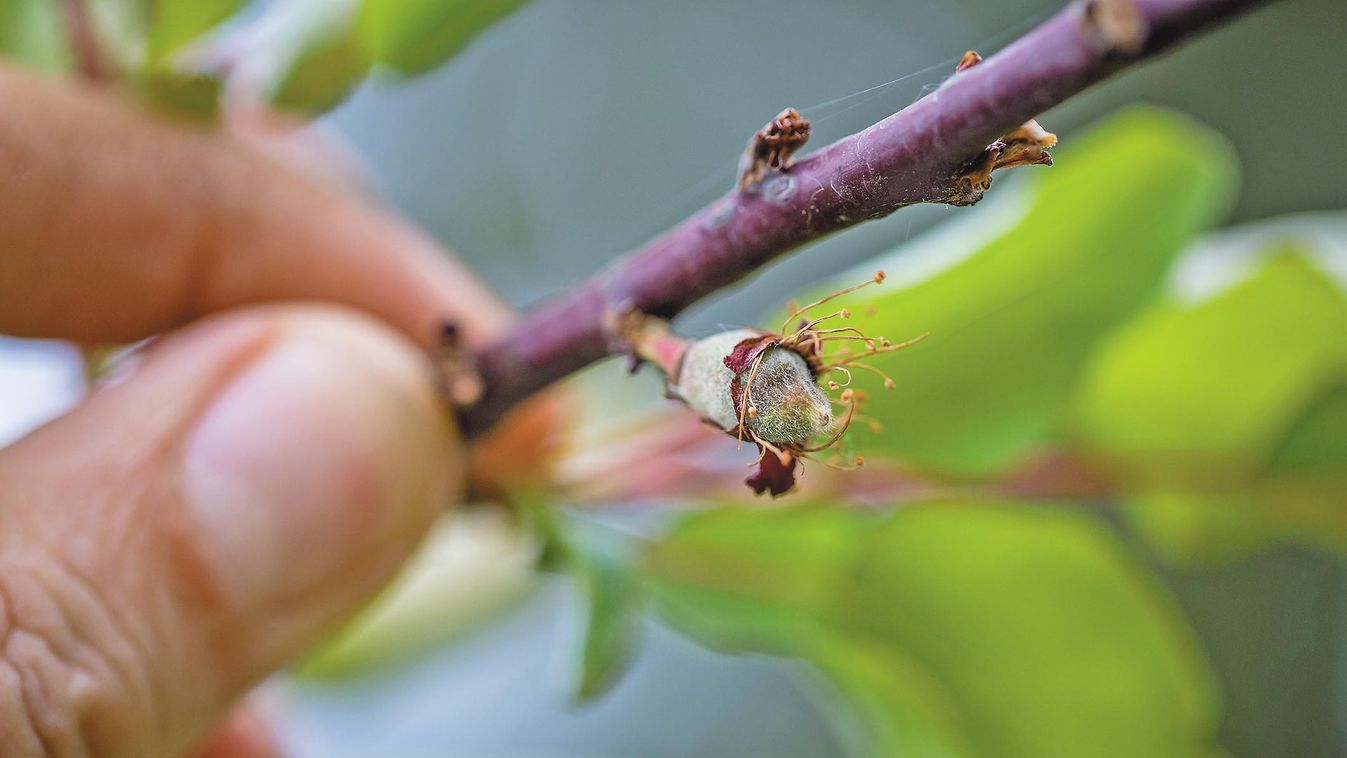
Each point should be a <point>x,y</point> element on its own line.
<point>922,154</point>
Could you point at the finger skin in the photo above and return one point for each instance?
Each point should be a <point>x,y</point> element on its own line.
<point>137,599</point>
<point>243,735</point>
<point>118,226</point>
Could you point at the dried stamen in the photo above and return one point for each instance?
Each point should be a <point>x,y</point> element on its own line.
<point>747,402</point>
<point>876,279</point>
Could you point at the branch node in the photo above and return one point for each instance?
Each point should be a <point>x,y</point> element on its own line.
<point>771,147</point>
<point>646,338</point>
<point>1114,27</point>
<point>1027,145</point>
<point>457,373</point>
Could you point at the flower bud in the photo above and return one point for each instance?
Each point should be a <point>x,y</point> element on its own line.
<point>785,405</point>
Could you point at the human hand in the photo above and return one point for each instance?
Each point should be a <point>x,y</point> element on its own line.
<point>267,465</point>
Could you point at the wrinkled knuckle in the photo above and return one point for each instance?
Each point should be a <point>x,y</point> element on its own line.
<point>71,683</point>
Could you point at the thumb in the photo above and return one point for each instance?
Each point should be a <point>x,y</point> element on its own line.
<point>186,531</point>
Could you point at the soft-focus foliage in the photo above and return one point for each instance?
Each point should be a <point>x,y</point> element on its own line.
<point>611,600</point>
<point>413,36</point>
<point>955,628</point>
<point>471,566</point>
<point>331,54</point>
<point>1224,419</point>
<point>30,30</point>
<point>1013,324</point>
<point>175,23</point>
<point>328,64</point>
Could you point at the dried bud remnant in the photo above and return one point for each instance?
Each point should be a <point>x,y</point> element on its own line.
<point>457,374</point>
<point>772,146</point>
<point>1027,145</point>
<point>764,387</point>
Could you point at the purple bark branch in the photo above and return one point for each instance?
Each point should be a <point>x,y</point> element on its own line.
<point>914,156</point>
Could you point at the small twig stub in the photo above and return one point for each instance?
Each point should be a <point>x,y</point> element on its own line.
<point>456,369</point>
<point>1027,145</point>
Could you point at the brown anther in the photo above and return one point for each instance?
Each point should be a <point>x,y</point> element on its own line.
<point>848,394</point>
<point>888,383</point>
<point>752,411</point>
<point>879,277</point>
<point>772,146</point>
<point>834,385</point>
<point>860,460</point>
<point>846,313</point>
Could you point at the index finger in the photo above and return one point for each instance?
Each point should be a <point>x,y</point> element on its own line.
<point>115,226</point>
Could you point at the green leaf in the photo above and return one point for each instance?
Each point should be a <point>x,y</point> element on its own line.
<point>1205,392</point>
<point>326,68</point>
<point>174,23</point>
<point>414,36</point>
<point>611,624</point>
<point>611,598</point>
<point>1317,443</point>
<point>1186,525</point>
<point>191,97</point>
<point>988,629</point>
<point>31,32</point>
<point>1011,325</point>
<point>472,566</point>
<point>1226,420</point>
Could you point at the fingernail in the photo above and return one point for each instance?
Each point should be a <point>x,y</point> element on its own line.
<point>311,460</point>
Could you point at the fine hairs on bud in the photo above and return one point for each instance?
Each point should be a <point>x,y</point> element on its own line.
<point>785,405</point>
<point>765,388</point>
<point>703,382</point>
<point>790,408</point>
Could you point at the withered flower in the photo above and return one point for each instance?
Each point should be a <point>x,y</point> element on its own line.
<point>769,388</point>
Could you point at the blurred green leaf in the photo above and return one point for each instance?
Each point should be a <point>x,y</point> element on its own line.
<point>31,32</point>
<point>1187,525</point>
<point>174,23</point>
<point>1013,323</point>
<point>989,629</point>
<point>599,562</point>
<point>1205,392</point>
<point>1316,444</point>
<point>1226,420</point>
<point>414,36</point>
<point>471,567</point>
<point>328,66</point>
<point>611,623</point>
<point>191,97</point>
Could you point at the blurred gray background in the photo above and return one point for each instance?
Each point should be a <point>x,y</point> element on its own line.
<point>578,129</point>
